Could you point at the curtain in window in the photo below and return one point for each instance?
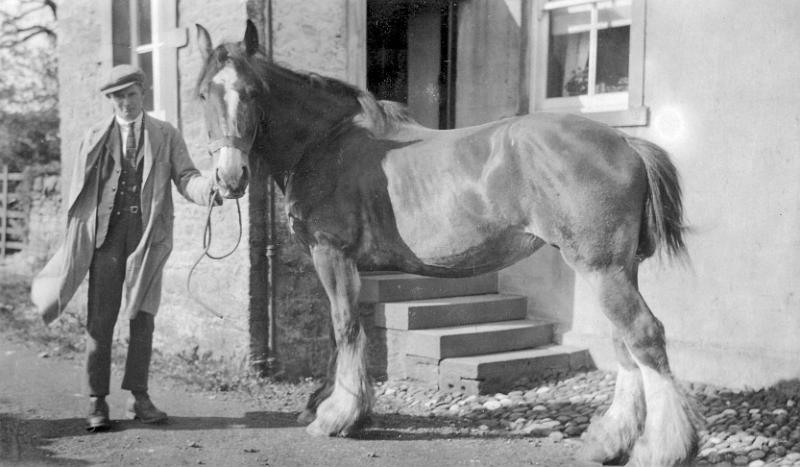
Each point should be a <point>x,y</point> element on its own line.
<point>576,64</point>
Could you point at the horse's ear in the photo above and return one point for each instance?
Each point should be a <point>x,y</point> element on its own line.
<point>204,42</point>
<point>250,38</point>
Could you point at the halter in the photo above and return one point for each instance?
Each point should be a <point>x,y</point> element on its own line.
<point>231,142</point>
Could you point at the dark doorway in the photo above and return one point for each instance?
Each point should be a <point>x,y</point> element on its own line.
<point>411,56</point>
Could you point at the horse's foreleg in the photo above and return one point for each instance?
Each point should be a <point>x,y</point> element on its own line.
<point>324,390</point>
<point>611,437</point>
<point>345,410</point>
<point>671,426</point>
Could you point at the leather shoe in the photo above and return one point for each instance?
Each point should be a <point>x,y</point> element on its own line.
<point>141,408</point>
<point>98,415</point>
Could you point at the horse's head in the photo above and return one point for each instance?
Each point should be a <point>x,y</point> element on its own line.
<point>229,89</point>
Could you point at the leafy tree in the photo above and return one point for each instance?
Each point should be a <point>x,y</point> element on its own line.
<point>24,20</point>
<point>29,83</point>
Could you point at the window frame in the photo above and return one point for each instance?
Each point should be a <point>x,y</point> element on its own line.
<point>631,113</point>
<point>166,39</point>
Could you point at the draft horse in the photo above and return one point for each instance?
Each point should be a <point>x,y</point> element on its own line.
<point>368,188</point>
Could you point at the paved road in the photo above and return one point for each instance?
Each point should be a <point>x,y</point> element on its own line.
<point>41,423</point>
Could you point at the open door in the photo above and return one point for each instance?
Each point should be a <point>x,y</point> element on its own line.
<point>411,56</point>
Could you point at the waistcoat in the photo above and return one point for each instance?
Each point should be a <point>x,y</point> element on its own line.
<point>120,188</point>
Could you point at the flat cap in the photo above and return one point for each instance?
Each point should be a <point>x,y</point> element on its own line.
<point>122,76</point>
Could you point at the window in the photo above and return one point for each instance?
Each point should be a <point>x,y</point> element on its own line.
<point>133,39</point>
<point>588,59</point>
<point>142,32</point>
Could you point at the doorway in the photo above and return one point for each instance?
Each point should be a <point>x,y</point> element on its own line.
<point>411,57</point>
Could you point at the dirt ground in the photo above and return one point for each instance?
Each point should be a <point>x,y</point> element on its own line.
<point>42,411</point>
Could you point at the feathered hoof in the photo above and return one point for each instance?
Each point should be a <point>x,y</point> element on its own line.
<point>606,442</point>
<point>306,417</point>
<point>599,449</point>
<point>594,451</point>
<point>315,429</point>
<point>647,455</point>
<point>319,428</point>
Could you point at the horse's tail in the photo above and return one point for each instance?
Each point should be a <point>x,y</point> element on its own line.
<point>662,219</point>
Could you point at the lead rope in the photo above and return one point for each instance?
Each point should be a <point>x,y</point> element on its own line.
<point>206,247</point>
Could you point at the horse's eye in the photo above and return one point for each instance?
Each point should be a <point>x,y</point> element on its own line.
<point>202,96</point>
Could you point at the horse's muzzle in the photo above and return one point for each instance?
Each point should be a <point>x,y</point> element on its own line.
<point>232,190</point>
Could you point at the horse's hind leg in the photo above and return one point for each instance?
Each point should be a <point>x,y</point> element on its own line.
<point>348,406</point>
<point>324,390</point>
<point>670,430</point>
<point>611,437</point>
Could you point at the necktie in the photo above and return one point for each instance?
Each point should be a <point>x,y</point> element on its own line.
<point>130,143</point>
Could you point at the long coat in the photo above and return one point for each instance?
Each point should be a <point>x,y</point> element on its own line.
<point>165,158</point>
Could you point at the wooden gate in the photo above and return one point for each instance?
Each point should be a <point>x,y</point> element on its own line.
<point>12,216</point>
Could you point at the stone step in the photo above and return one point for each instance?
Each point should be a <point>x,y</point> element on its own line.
<point>452,311</point>
<point>377,288</point>
<point>498,371</point>
<point>460,341</point>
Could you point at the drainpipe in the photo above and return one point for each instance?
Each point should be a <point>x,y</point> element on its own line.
<point>272,248</point>
<point>263,307</point>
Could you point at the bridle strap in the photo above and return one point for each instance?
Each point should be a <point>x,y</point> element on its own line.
<point>230,142</point>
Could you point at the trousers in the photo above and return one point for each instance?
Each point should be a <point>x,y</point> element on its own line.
<point>106,281</point>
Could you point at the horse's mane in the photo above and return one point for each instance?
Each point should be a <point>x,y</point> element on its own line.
<point>376,116</point>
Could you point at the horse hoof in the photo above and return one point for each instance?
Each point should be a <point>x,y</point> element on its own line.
<point>645,455</point>
<point>594,451</point>
<point>314,429</point>
<point>306,417</point>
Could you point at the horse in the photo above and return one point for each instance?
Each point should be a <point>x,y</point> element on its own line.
<point>368,188</point>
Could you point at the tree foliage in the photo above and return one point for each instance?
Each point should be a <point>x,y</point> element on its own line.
<point>24,20</point>
<point>29,83</point>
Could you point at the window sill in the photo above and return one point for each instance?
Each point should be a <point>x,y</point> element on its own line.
<point>631,117</point>
<point>634,116</point>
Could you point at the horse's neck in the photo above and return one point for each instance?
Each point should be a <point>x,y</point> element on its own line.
<point>302,117</point>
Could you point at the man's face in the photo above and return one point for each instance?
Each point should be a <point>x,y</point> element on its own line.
<point>128,102</point>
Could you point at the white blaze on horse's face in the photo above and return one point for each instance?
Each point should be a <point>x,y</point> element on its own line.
<point>231,170</point>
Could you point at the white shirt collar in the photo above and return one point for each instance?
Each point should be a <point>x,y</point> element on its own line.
<point>124,123</point>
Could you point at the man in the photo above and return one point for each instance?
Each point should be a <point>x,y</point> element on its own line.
<point>119,230</point>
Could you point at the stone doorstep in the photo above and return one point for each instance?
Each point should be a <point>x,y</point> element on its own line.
<point>403,287</point>
<point>484,338</point>
<point>452,311</point>
<point>494,372</point>
<point>500,376</point>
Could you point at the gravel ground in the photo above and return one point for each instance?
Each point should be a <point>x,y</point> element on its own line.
<point>753,428</point>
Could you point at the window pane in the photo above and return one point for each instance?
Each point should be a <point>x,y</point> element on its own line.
<point>613,14</point>
<point>146,64</point>
<point>613,46</point>
<point>145,35</point>
<point>121,32</point>
<point>568,55</point>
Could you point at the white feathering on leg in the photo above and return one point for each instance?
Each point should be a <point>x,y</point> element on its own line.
<point>671,430</point>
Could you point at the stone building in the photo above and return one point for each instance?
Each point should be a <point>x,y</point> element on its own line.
<point>713,82</point>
